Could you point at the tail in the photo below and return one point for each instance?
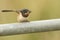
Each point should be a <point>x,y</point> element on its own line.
<point>8,11</point>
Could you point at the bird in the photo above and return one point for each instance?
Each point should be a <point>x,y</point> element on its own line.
<point>23,15</point>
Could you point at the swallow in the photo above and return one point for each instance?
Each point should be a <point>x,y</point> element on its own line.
<point>23,15</point>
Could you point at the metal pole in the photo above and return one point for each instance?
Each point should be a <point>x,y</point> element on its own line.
<point>29,27</point>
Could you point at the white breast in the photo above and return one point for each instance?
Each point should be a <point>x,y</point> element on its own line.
<point>21,18</point>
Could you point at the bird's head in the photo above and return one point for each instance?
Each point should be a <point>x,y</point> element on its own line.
<point>25,12</point>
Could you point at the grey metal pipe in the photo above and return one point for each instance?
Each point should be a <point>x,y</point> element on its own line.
<point>29,27</point>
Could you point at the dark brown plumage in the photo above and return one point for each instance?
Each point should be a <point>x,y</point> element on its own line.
<point>22,15</point>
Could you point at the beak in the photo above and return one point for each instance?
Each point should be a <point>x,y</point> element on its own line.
<point>29,11</point>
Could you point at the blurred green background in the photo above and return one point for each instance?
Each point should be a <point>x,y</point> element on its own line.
<point>41,10</point>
